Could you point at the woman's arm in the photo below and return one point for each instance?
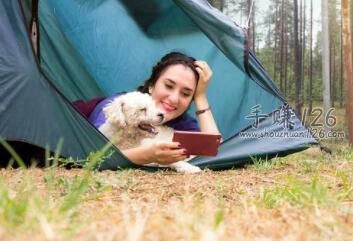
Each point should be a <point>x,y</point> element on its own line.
<point>162,153</point>
<point>138,155</point>
<point>206,119</point>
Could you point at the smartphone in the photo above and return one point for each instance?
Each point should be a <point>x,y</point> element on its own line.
<point>198,143</point>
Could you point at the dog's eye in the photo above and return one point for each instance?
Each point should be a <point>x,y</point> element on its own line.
<point>143,109</point>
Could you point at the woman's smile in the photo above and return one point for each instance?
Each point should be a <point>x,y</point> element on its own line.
<point>167,107</point>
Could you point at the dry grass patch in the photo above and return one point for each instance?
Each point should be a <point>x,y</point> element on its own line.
<point>306,196</point>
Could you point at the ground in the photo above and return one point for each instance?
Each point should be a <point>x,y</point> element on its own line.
<point>304,196</point>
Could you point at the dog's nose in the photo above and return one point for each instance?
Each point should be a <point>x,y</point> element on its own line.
<point>161,116</point>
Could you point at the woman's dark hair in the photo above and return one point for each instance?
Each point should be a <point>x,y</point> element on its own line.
<point>170,59</point>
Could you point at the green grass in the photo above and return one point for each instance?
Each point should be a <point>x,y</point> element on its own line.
<point>23,206</point>
<point>308,194</point>
<point>299,193</point>
<point>263,165</point>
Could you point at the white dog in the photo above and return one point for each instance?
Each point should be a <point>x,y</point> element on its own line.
<point>133,120</point>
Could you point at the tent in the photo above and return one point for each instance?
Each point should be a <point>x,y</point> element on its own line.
<point>91,48</point>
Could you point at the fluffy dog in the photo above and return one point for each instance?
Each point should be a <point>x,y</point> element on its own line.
<point>133,120</point>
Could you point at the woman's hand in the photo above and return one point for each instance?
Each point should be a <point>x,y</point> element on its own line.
<point>167,152</point>
<point>205,74</point>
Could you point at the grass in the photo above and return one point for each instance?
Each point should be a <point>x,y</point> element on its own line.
<point>263,165</point>
<point>304,196</point>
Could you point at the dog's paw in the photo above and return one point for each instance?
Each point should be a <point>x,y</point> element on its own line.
<point>193,169</point>
<point>185,167</point>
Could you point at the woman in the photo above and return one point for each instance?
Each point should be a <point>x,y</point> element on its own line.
<point>175,81</point>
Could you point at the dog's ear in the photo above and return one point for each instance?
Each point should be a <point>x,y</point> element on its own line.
<point>114,112</point>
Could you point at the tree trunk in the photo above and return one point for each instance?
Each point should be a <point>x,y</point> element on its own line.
<point>253,27</point>
<point>251,19</point>
<point>341,66</point>
<point>282,48</point>
<point>286,49</point>
<point>219,4</point>
<point>351,20</point>
<point>325,59</point>
<point>286,61</point>
<point>348,70</point>
<point>297,64</point>
<point>333,76</point>
<point>303,46</point>
<point>310,84</point>
<point>276,44</point>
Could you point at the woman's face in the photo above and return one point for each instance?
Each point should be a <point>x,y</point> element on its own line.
<point>174,90</point>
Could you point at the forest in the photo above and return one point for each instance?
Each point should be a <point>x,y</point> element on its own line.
<point>295,63</point>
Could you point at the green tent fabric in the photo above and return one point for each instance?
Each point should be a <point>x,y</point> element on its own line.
<point>100,47</point>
